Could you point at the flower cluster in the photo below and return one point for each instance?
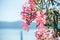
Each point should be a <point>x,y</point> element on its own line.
<point>32,2</point>
<point>41,18</point>
<point>28,14</point>
<point>44,34</point>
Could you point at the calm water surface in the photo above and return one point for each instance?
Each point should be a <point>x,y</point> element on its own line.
<point>15,34</point>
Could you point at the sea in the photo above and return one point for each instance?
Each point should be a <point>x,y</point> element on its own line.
<point>17,34</point>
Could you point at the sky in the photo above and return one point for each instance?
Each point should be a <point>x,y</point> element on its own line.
<point>10,10</point>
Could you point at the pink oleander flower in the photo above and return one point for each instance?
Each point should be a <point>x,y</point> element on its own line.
<point>32,2</point>
<point>45,34</point>
<point>41,18</point>
<point>25,26</point>
<point>40,31</point>
<point>28,14</point>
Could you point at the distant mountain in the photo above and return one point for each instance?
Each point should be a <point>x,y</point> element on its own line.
<point>11,24</point>
<point>15,25</point>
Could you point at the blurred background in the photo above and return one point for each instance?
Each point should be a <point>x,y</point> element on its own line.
<point>10,21</point>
